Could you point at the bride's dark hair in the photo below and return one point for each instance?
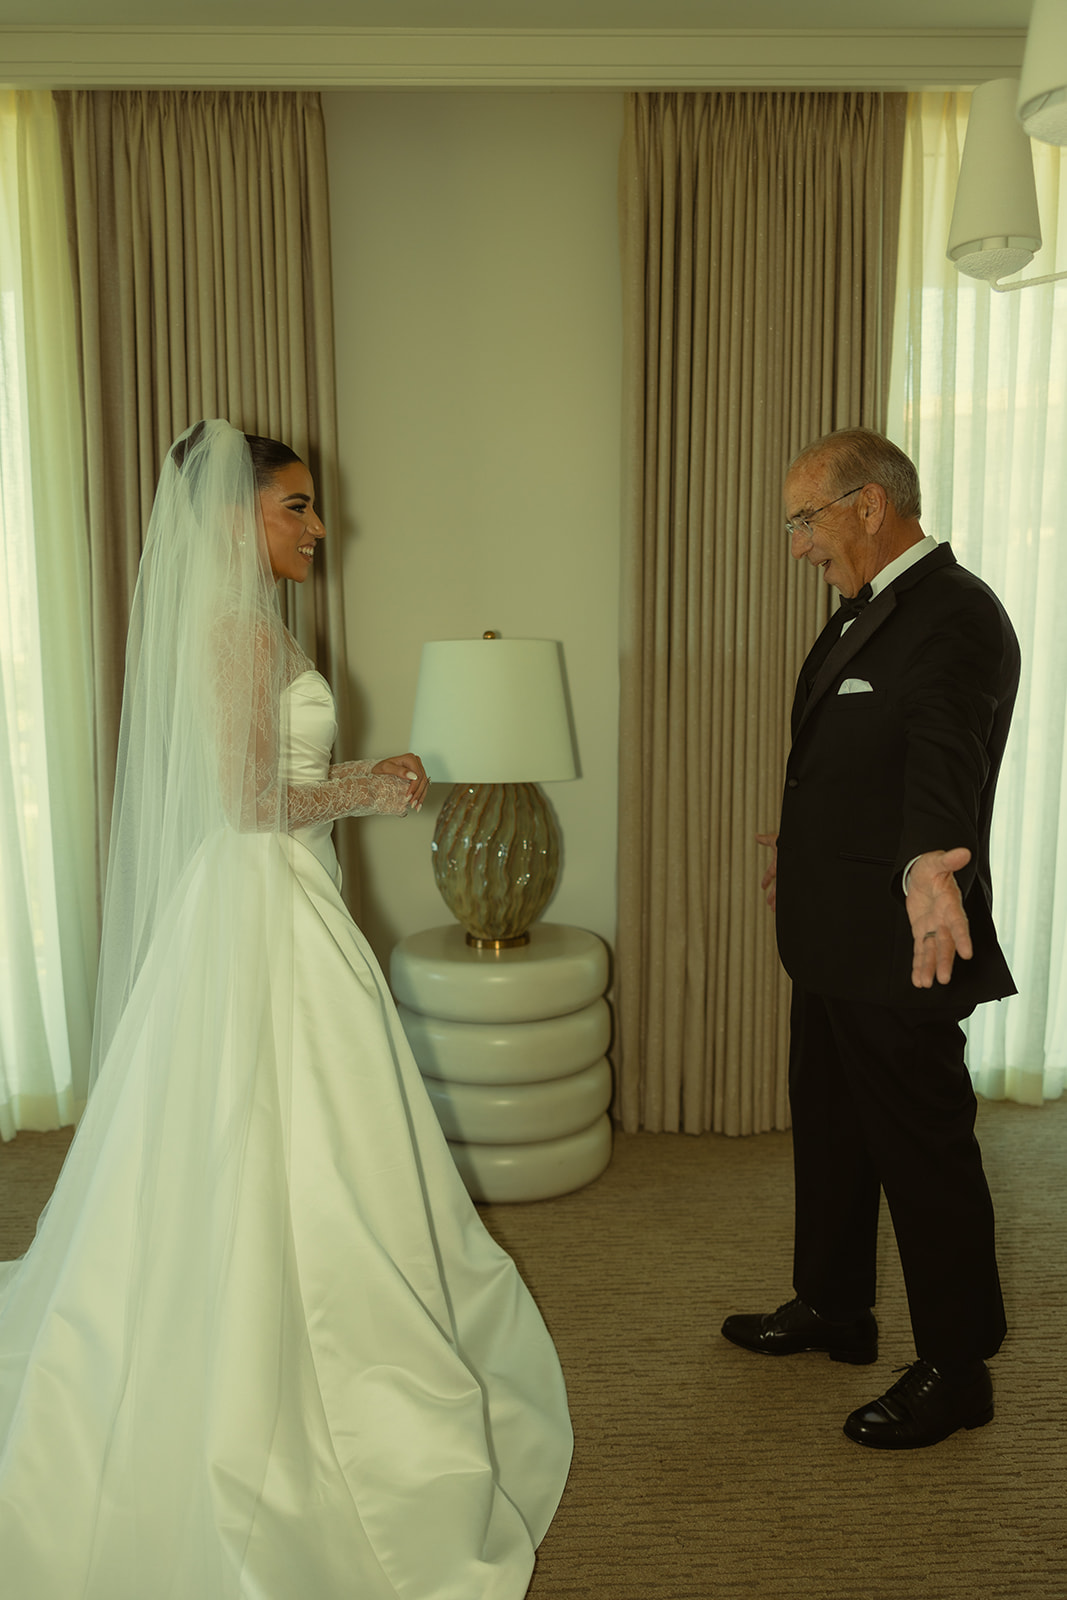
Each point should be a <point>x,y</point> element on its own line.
<point>269,456</point>
<point>181,447</point>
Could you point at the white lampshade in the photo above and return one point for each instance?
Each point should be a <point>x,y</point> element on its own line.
<point>492,711</point>
<point>1043,85</point>
<point>995,227</point>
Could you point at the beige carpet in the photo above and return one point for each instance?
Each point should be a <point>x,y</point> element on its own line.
<point>702,1471</point>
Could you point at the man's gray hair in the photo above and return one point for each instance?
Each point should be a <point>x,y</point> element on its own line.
<point>855,456</point>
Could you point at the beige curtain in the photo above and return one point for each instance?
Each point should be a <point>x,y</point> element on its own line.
<point>759,245</point>
<point>200,237</point>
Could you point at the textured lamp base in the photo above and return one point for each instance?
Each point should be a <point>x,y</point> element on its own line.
<point>496,859</point>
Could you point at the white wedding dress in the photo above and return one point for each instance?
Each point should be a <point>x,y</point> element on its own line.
<point>262,1346</point>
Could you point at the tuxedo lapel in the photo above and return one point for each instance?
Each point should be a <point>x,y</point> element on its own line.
<point>845,647</point>
<point>842,648</point>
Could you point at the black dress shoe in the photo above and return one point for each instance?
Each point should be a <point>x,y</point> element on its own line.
<point>795,1327</point>
<point>924,1407</point>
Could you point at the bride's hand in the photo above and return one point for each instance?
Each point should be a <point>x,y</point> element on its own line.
<point>411,769</point>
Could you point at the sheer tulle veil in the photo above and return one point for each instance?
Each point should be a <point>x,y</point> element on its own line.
<point>199,730</point>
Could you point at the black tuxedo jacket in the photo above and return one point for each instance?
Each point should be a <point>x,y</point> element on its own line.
<point>875,777</point>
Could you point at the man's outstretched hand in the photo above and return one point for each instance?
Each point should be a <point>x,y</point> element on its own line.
<point>938,921</point>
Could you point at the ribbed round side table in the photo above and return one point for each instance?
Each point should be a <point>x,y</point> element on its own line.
<point>511,1045</point>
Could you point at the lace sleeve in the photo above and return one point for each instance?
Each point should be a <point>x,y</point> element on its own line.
<point>352,769</point>
<point>248,695</point>
<point>351,790</point>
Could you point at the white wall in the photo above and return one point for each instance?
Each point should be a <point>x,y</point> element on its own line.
<point>477,298</point>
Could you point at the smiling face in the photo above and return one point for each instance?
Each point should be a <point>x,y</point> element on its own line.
<point>290,522</point>
<point>843,543</point>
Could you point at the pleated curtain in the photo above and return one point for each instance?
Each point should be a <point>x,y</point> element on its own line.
<point>199,231</point>
<point>759,245</point>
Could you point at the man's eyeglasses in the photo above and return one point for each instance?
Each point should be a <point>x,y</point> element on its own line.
<point>803,524</point>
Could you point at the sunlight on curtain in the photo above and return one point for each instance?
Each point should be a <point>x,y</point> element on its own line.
<point>979,401</point>
<point>48,924</point>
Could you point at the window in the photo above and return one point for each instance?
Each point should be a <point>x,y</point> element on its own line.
<point>979,401</point>
<point>47,833</point>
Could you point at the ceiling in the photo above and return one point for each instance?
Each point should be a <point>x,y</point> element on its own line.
<point>661,15</point>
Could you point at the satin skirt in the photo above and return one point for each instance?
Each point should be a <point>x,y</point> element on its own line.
<point>262,1345</point>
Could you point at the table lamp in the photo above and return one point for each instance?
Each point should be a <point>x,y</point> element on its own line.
<point>491,719</point>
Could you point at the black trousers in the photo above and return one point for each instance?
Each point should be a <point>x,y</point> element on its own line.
<point>882,1101</point>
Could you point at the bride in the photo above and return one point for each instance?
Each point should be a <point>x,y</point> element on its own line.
<point>261,1346</point>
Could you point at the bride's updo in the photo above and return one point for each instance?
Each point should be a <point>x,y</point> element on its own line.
<point>269,456</point>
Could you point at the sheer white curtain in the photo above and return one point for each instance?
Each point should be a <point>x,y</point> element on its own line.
<point>979,400</point>
<point>48,904</point>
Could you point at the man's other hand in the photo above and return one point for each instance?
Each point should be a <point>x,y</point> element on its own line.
<point>938,921</point>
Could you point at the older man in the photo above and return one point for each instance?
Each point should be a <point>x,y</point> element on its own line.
<point>882,893</point>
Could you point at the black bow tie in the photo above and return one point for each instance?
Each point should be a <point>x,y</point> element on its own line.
<point>852,608</point>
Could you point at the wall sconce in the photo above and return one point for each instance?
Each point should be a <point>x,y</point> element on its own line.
<point>995,226</point>
<point>1042,106</point>
<point>491,718</point>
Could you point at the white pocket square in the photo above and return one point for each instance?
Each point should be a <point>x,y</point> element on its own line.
<point>855,686</point>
